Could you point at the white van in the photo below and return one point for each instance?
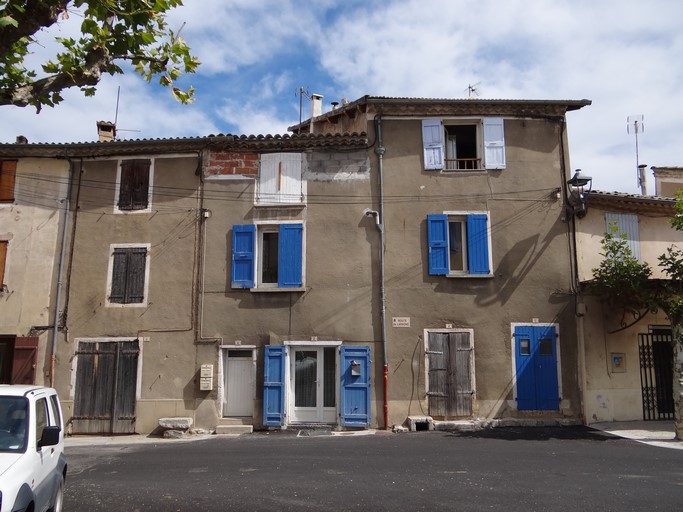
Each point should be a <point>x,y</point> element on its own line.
<point>32,462</point>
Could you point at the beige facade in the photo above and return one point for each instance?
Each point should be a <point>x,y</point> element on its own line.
<point>620,361</point>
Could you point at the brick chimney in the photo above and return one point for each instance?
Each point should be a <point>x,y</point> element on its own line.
<point>106,131</point>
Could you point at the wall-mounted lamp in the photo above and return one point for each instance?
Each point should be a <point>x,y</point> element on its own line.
<point>578,188</point>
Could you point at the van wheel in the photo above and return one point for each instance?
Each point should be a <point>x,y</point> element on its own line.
<point>59,497</point>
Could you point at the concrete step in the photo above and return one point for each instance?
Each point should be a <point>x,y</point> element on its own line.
<point>236,421</point>
<point>234,429</point>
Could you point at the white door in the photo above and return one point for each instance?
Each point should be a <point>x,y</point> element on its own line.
<point>313,375</point>
<point>238,398</point>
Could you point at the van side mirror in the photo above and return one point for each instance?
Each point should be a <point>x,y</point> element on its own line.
<point>50,436</point>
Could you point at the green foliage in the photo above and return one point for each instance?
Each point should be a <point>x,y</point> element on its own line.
<point>621,279</point>
<point>111,31</point>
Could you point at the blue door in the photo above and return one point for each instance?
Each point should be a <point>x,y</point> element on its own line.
<point>355,386</point>
<point>536,368</point>
<point>274,385</point>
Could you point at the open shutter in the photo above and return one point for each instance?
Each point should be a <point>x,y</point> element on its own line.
<point>494,143</point>
<point>243,243</point>
<point>3,260</point>
<point>8,171</point>
<point>432,142</point>
<point>290,256</point>
<point>355,386</point>
<point>437,241</point>
<point>274,385</point>
<point>477,244</point>
<point>627,224</point>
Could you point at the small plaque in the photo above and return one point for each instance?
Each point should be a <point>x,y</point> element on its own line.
<point>400,321</point>
<point>618,362</point>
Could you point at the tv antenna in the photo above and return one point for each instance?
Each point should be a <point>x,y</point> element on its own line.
<point>635,125</point>
<point>301,92</point>
<point>472,90</point>
<point>116,114</point>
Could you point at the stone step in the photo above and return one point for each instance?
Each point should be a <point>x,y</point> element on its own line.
<point>234,429</point>
<point>235,421</point>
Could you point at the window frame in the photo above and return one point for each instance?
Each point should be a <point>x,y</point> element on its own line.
<point>476,255</point>
<point>119,178</point>
<point>489,143</point>
<point>110,275</point>
<point>8,177</point>
<point>247,259</point>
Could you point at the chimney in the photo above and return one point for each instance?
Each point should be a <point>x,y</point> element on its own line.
<point>106,131</point>
<point>316,105</point>
<point>21,140</point>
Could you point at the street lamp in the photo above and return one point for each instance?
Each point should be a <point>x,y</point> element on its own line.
<point>578,189</point>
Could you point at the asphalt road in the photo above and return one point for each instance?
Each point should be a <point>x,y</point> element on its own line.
<point>531,469</point>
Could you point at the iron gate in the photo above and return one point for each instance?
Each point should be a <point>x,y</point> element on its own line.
<point>656,375</point>
<point>106,381</point>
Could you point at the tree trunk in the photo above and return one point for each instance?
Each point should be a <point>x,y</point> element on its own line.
<point>677,331</point>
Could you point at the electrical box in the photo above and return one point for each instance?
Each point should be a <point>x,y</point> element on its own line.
<point>206,377</point>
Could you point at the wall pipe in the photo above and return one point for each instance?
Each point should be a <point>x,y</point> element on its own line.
<point>62,253</point>
<point>379,151</point>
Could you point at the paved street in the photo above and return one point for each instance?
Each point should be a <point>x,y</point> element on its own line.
<point>532,469</point>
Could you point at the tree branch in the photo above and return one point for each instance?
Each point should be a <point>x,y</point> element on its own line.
<point>40,14</point>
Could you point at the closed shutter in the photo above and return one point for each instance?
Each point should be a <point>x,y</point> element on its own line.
<point>128,275</point>
<point>8,171</point>
<point>290,256</point>
<point>355,386</point>
<point>134,185</point>
<point>432,142</point>
<point>243,244</point>
<point>477,244</point>
<point>627,224</point>
<point>280,179</point>
<point>437,242</point>
<point>274,385</point>
<point>494,143</point>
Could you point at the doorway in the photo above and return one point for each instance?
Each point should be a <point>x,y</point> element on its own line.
<point>536,375</point>
<point>656,374</point>
<point>238,382</point>
<point>313,374</point>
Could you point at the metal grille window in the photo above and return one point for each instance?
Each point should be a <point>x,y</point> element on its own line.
<point>128,275</point>
<point>134,185</point>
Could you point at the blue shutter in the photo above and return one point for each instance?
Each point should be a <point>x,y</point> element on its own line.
<point>243,243</point>
<point>437,239</point>
<point>355,389</point>
<point>477,244</point>
<point>290,256</point>
<point>273,385</point>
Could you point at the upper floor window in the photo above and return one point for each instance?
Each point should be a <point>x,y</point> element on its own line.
<point>8,170</point>
<point>134,179</point>
<point>279,180</point>
<point>463,145</point>
<point>129,274</point>
<point>627,226</point>
<point>267,256</point>
<point>458,244</point>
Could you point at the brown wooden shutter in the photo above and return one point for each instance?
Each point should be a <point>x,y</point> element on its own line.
<point>128,275</point>
<point>24,360</point>
<point>134,185</point>
<point>8,170</point>
<point>119,276</point>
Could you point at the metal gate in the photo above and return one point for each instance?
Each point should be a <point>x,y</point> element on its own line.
<point>106,381</point>
<point>656,375</point>
<point>449,373</point>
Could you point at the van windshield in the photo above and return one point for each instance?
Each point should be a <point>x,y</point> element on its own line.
<point>13,423</point>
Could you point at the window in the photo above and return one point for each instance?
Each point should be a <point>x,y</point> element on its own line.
<point>41,417</point>
<point>267,256</point>
<point>280,180</point>
<point>627,225</point>
<point>129,274</point>
<point>465,145</point>
<point>133,185</point>
<point>4,244</point>
<point>8,171</point>
<point>458,244</point>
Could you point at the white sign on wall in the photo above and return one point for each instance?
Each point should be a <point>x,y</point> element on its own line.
<point>400,321</point>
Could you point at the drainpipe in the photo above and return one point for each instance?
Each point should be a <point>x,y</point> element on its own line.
<point>62,252</point>
<point>379,151</point>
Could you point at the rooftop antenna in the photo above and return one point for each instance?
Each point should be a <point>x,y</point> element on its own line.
<point>472,90</point>
<point>301,92</point>
<point>116,115</point>
<point>635,125</point>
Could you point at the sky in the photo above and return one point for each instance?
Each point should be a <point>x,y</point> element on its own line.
<point>625,56</point>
